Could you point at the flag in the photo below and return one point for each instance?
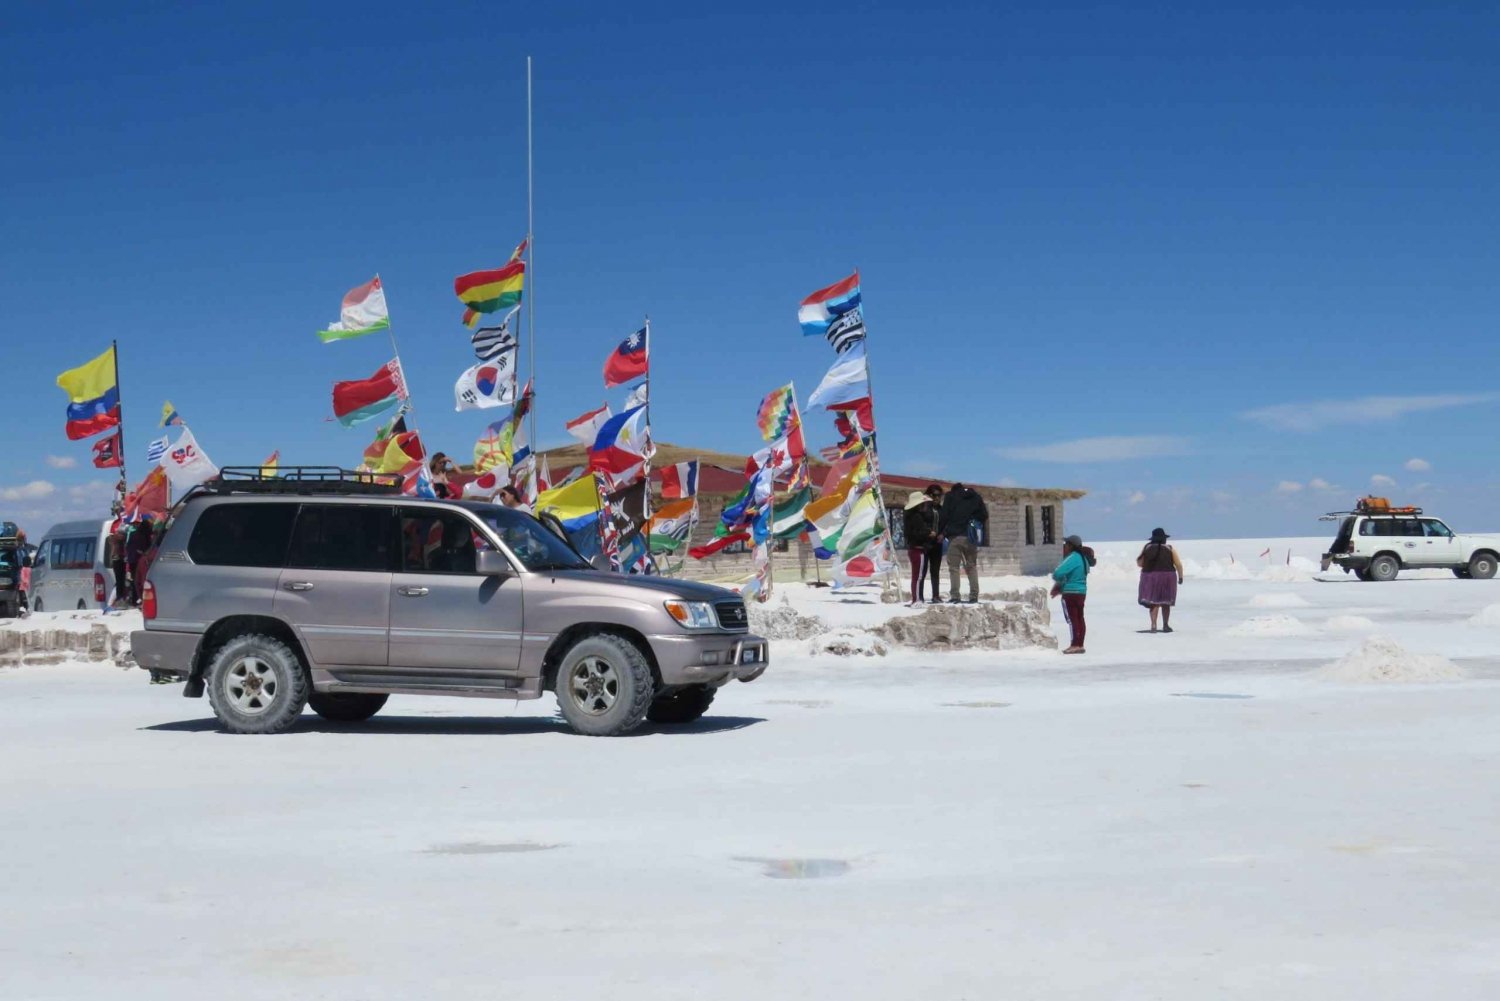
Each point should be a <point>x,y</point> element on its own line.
<point>156,449</point>
<point>543,477</point>
<point>362,399</point>
<point>586,426</point>
<point>639,395</point>
<point>827,515</point>
<point>401,450</point>
<point>491,291</point>
<point>713,546</point>
<point>835,313</point>
<point>626,508</point>
<point>789,520</point>
<point>375,451</point>
<point>418,482</point>
<point>107,452</point>
<point>572,503</point>
<point>169,415</point>
<point>148,499</point>
<point>486,485</point>
<point>847,381</point>
<point>780,456</point>
<point>523,478</point>
<point>271,465</point>
<point>488,384</point>
<point>679,481</point>
<point>492,450</point>
<point>572,475</point>
<point>671,525</point>
<point>759,586</point>
<point>491,341</point>
<point>187,465</point>
<point>742,510</point>
<point>628,361</point>
<point>363,312</point>
<point>622,445</point>
<point>778,413</point>
<point>93,395</point>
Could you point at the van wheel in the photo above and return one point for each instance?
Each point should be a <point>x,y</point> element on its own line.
<point>604,686</point>
<point>682,706</point>
<point>1482,566</point>
<point>346,707</point>
<point>257,684</point>
<point>1384,568</point>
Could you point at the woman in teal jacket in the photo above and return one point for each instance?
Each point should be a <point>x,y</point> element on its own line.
<point>1072,582</point>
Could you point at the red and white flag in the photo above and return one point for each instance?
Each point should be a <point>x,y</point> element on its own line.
<point>586,428</point>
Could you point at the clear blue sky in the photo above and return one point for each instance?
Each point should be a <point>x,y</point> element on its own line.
<point>1204,236</point>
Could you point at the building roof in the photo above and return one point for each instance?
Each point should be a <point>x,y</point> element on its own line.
<point>723,473</point>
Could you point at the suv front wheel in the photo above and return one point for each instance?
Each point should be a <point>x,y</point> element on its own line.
<point>1384,567</point>
<point>257,684</point>
<point>604,686</point>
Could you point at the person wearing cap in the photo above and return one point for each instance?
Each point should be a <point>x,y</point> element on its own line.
<point>1161,575</point>
<point>1072,583</point>
<point>921,524</point>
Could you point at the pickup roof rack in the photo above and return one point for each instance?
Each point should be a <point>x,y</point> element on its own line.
<point>301,480</point>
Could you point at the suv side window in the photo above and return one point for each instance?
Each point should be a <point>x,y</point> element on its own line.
<point>1435,529</point>
<point>242,535</point>
<point>341,537</point>
<point>434,541</point>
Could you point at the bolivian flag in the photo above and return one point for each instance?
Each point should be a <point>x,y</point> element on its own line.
<point>94,396</point>
<point>490,291</point>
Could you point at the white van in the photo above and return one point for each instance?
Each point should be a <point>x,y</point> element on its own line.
<point>68,572</point>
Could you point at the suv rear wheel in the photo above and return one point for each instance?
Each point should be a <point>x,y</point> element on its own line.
<point>681,706</point>
<point>1482,566</point>
<point>346,707</point>
<point>257,684</point>
<point>604,686</point>
<point>1384,567</point>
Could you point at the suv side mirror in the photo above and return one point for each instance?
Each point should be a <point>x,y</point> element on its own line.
<point>493,564</point>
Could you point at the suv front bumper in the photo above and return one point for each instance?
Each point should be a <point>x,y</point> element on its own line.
<point>712,659</point>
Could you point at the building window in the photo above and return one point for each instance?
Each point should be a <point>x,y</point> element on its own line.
<point>1049,525</point>
<point>1030,528</point>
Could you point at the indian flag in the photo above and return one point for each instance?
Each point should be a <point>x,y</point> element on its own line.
<point>363,313</point>
<point>671,524</point>
<point>490,291</point>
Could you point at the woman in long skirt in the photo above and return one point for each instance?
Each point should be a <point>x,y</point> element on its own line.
<point>1161,574</point>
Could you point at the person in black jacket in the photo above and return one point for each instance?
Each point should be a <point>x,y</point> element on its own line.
<point>964,523</point>
<point>924,546</point>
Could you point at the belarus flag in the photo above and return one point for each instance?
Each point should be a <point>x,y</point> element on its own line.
<point>628,361</point>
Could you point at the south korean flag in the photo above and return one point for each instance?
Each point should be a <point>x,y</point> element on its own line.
<point>846,330</point>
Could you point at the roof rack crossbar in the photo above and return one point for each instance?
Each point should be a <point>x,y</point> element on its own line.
<point>330,480</point>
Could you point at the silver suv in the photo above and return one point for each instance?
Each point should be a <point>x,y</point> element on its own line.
<point>275,594</point>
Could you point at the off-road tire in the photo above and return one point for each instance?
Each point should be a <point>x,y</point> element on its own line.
<point>683,705</point>
<point>345,707</point>
<point>1363,575</point>
<point>1462,573</point>
<point>257,654</point>
<point>604,686</point>
<point>1384,567</point>
<point>1482,566</point>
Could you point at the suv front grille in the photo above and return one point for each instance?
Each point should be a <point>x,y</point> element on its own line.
<point>732,615</point>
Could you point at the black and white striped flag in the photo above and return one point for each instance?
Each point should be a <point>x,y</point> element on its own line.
<point>491,342</point>
<point>846,330</point>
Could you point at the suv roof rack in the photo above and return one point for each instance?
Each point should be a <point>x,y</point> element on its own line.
<point>1395,512</point>
<point>330,480</point>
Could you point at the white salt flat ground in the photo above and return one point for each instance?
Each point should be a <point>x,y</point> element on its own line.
<point>1185,816</point>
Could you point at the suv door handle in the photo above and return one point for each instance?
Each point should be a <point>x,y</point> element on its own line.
<point>412,592</point>
<point>298,585</point>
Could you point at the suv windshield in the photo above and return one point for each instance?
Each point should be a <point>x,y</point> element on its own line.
<point>533,543</point>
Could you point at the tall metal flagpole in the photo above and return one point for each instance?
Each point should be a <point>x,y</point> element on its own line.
<point>114,350</point>
<point>390,329</point>
<point>890,549</point>
<point>650,442</point>
<point>530,297</point>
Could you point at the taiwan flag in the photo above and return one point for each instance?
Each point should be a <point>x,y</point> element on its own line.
<point>628,361</point>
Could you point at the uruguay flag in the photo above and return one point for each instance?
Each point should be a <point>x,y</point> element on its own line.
<point>628,361</point>
<point>820,309</point>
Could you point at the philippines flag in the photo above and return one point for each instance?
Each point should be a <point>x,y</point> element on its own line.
<point>680,481</point>
<point>628,361</point>
<point>834,312</point>
<point>623,444</point>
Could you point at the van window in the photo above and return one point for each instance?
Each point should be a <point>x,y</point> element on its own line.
<point>1385,527</point>
<point>341,537</point>
<point>1435,529</point>
<point>242,535</point>
<point>75,553</point>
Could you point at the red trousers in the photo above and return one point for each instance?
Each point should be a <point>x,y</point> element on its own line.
<point>1073,612</point>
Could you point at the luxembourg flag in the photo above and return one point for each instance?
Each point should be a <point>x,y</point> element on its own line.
<point>826,304</point>
<point>680,481</point>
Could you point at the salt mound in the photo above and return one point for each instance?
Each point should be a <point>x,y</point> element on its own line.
<point>1270,625</point>
<point>1349,624</point>
<point>1381,660</point>
<point>847,643</point>
<point>1489,615</point>
<point>783,622</point>
<point>1278,599</point>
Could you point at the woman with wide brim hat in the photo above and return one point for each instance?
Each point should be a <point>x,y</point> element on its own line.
<point>1161,575</point>
<point>921,524</point>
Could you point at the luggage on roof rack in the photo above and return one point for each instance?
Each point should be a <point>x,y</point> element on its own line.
<point>1381,505</point>
<point>301,480</point>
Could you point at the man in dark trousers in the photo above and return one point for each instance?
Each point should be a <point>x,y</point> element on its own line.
<point>965,522</point>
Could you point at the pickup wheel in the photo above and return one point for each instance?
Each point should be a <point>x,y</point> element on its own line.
<point>257,684</point>
<point>1482,566</point>
<point>1384,567</point>
<point>604,686</point>
<point>346,707</point>
<point>681,706</point>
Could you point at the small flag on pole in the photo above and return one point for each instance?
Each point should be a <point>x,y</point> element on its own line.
<point>169,415</point>
<point>490,342</point>
<point>363,312</point>
<point>156,449</point>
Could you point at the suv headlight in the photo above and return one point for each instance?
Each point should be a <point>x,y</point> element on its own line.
<point>692,614</point>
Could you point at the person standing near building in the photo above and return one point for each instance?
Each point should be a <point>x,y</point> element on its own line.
<point>1072,583</point>
<point>1161,575</point>
<point>964,522</point>
<point>921,527</point>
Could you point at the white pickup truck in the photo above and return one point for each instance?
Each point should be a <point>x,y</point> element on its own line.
<point>1379,545</point>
